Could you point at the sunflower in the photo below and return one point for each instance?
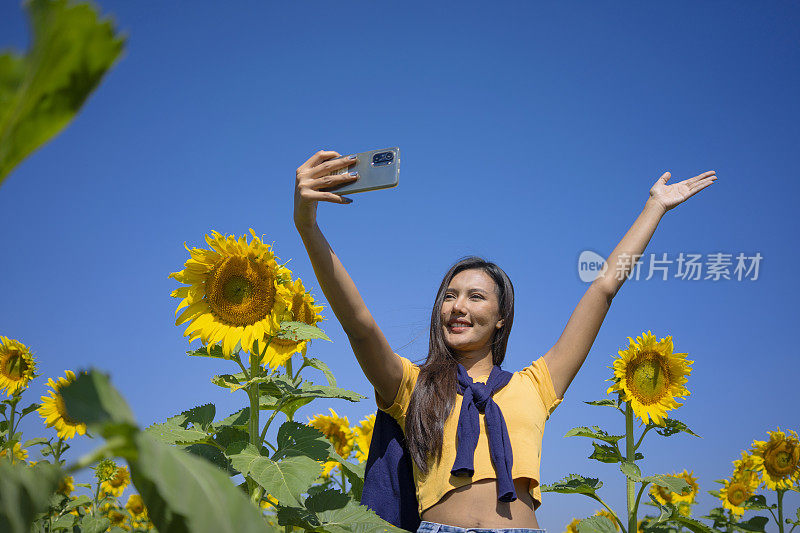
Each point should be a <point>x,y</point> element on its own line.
<point>363,433</point>
<point>746,463</point>
<point>136,507</point>
<point>302,309</point>
<point>650,376</point>
<point>117,519</point>
<point>117,483</point>
<point>55,413</point>
<point>17,366</point>
<point>236,296</point>
<point>572,527</point>
<point>603,512</point>
<point>337,430</point>
<point>737,490</point>
<point>694,488</point>
<point>778,460</point>
<point>327,468</point>
<point>18,453</point>
<point>66,485</point>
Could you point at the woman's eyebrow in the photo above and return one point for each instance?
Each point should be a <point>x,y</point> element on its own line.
<point>473,289</point>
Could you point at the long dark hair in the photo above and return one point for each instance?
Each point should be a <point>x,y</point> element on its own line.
<point>437,385</point>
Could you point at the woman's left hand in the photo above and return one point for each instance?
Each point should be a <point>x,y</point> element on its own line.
<point>669,196</point>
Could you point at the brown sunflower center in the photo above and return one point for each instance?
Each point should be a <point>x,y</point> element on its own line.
<point>780,461</point>
<point>15,366</point>
<point>737,493</point>
<point>648,377</point>
<point>240,290</point>
<point>136,507</point>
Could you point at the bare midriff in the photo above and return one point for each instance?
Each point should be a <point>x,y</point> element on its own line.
<point>476,505</point>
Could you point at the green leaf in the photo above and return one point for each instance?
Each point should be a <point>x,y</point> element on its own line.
<point>286,479</point>
<point>593,432</point>
<point>184,493</point>
<point>92,399</point>
<point>313,362</point>
<point>42,92</point>
<point>755,524</point>
<point>607,454</point>
<point>238,419</point>
<point>174,434</point>
<point>672,426</point>
<point>300,439</point>
<point>596,524</point>
<point>293,397</point>
<point>758,502</point>
<point>227,435</point>
<point>300,331</point>
<point>201,416</point>
<point>672,483</point>
<point>35,442</point>
<point>24,492</point>
<point>353,472</point>
<point>574,484</point>
<point>91,524</point>
<point>692,524</point>
<point>215,352</point>
<point>211,454</point>
<point>226,381</point>
<point>330,510</point>
<point>77,502</point>
<point>604,403</point>
<point>31,408</point>
<point>66,521</point>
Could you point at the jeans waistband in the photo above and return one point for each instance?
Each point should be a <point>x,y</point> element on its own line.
<point>435,527</point>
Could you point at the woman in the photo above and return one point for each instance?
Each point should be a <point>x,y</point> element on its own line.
<point>470,324</point>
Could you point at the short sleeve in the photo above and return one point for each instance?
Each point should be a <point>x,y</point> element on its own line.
<point>539,375</point>
<point>400,404</point>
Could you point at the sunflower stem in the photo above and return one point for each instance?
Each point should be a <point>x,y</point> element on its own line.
<point>780,509</point>
<point>599,499</point>
<point>631,457</point>
<point>638,496</point>
<point>252,394</point>
<point>10,429</point>
<point>639,442</point>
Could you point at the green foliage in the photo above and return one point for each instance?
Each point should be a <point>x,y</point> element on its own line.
<point>671,427</point>
<point>594,432</point>
<point>41,92</point>
<point>184,493</point>
<point>300,331</point>
<point>596,524</point>
<point>24,492</point>
<point>574,484</point>
<point>333,512</point>
<point>286,479</point>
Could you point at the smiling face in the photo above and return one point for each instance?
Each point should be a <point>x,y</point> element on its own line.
<point>470,311</point>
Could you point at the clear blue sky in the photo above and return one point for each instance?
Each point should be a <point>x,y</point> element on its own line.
<point>529,133</point>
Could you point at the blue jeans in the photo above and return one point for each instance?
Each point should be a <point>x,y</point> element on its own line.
<point>435,527</point>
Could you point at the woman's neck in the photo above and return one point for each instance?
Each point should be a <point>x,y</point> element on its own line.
<point>478,363</point>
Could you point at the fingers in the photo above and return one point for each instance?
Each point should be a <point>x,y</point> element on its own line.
<point>317,158</point>
<point>330,166</point>
<point>320,196</point>
<point>331,180</point>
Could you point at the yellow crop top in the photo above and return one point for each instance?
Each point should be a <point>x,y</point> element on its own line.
<point>526,401</point>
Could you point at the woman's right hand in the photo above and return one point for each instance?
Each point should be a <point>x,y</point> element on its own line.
<point>313,175</point>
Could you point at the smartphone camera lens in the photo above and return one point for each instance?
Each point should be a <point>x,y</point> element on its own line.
<point>382,158</point>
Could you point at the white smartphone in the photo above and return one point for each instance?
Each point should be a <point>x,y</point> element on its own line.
<point>377,169</point>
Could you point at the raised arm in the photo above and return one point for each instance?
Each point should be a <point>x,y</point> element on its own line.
<point>380,364</point>
<point>566,357</point>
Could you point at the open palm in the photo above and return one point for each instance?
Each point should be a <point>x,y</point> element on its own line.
<point>671,195</point>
